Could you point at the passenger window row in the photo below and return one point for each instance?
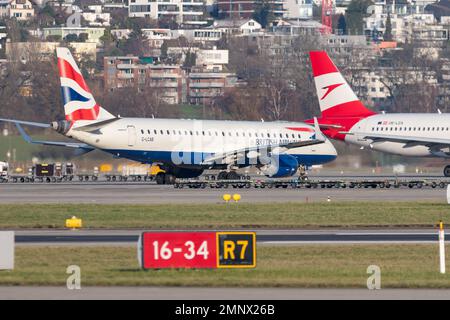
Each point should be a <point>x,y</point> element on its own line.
<point>410,129</point>
<point>223,133</point>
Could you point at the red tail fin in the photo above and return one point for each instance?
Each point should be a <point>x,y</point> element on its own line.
<point>336,97</point>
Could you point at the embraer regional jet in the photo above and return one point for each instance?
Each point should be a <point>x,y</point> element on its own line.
<point>182,148</point>
<point>344,117</point>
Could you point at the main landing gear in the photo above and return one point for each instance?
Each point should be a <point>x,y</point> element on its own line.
<point>165,178</point>
<point>447,171</point>
<point>232,175</point>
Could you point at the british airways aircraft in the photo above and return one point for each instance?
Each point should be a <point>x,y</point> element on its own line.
<point>345,118</point>
<point>182,148</point>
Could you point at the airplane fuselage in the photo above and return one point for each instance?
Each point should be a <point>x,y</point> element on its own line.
<point>432,126</point>
<point>190,142</point>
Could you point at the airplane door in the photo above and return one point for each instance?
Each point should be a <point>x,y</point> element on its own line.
<point>132,137</point>
<point>361,127</point>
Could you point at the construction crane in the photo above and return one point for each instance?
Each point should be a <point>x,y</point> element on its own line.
<point>327,16</point>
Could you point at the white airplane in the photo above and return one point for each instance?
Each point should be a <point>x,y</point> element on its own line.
<point>345,118</point>
<point>182,148</point>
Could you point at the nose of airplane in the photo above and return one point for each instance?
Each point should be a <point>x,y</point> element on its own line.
<point>329,150</point>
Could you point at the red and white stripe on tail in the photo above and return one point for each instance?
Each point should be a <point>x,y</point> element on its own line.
<point>336,97</point>
<point>79,103</point>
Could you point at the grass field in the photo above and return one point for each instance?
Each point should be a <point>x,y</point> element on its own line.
<point>191,111</point>
<point>226,216</point>
<point>402,266</point>
<point>23,150</point>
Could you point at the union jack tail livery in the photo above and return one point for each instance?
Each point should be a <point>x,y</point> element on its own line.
<point>79,103</point>
<point>336,97</point>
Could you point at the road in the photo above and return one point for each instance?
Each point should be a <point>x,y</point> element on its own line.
<point>171,293</point>
<point>102,193</point>
<point>264,237</point>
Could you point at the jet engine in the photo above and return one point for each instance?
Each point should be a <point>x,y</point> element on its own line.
<point>279,166</point>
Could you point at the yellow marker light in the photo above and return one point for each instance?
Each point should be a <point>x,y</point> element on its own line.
<point>227,197</point>
<point>236,197</point>
<point>441,225</point>
<point>74,223</point>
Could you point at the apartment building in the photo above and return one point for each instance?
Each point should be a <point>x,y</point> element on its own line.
<point>298,9</point>
<point>25,51</point>
<point>373,84</point>
<point>237,26</point>
<point>129,71</point>
<point>4,8</point>
<point>120,72</point>
<point>3,36</point>
<point>93,34</point>
<point>409,22</point>
<point>95,16</point>
<point>170,81</point>
<point>244,9</point>
<point>204,86</point>
<point>21,10</point>
<point>184,12</point>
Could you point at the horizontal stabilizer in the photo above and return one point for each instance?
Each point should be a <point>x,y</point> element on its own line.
<point>28,139</point>
<point>27,123</point>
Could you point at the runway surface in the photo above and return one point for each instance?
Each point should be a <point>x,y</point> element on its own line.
<point>264,237</point>
<point>153,194</point>
<point>171,293</point>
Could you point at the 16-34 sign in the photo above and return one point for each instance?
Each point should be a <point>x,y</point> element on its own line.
<point>159,250</point>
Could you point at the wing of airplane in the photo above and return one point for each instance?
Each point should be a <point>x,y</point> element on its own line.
<point>405,139</point>
<point>84,148</point>
<point>253,152</point>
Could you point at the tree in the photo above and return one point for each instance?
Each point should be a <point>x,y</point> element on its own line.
<point>83,37</point>
<point>168,23</point>
<point>342,25</point>
<point>356,11</point>
<point>136,44</point>
<point>72,37</point>
<point>31,88</point>
<point>275,85</point>
<point>147,101</point>
<point>263,13</point>
<point>87,65</point>
<point>164,48</point>
<point>54,38</point>
<point>388,31</point>
<point>190,60</point>
<point>409,80</point>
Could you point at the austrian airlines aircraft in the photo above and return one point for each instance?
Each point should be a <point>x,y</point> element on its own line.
<point>345,118</point>
<point>183,148</point>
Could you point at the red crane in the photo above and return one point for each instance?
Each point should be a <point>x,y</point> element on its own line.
<point>327,16</point>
